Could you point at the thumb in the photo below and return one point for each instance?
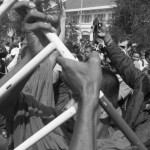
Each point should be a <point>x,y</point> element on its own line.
<point>95,56</point>
<point>61,61</point>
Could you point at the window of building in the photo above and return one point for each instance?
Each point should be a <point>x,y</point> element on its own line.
<point>75,19</point>
<point>101,17</point>
<point>110,16</point>
<point>85,35</point>
<point>86,18</point>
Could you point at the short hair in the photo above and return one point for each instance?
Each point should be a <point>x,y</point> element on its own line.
<point>147,53</point>
<point>3,51</point>
<point>140,47</point>
<point>110,86</point>
<point>88,46</point>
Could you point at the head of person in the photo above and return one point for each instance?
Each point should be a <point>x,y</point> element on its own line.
<point>125,46</point>
<point>76,48</point>
<point>136,56</point>
<point>147,55</point>
<point>87,51</point>
<point>110,88</point>
<point>142,55</point>
<point>3,52</point>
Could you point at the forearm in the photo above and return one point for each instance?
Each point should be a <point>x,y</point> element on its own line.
<point>84,137</point>
<point>62,26</point>
<point>55,54</point>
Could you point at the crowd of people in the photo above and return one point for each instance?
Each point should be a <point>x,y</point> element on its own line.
<point>119,70</point>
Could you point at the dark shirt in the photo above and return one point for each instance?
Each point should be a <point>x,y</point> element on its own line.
<point>61,93</point>
<point>136,113</point>
<point>2,68</point>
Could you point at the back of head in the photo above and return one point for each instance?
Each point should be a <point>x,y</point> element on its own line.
<point>147,53</point>
<point>110,86</point>
<point>3,51</point>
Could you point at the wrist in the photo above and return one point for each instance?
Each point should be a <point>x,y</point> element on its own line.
<point>107,39</point>
<point>89,99</point>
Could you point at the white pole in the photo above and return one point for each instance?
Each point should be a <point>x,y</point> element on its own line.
<point>30,66</point>
<point>6,5</point>
<point>48,128</point>
<point>59,45</point>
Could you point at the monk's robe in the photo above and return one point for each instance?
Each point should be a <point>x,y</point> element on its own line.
<point>28,117</point>
<point>40,84</point>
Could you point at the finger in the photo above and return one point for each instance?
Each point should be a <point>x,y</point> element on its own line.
<point>26,4</point>
<point>66,63</point>
<point>34,15</point>
<point>22,6</point>
<point>61,61</point>
<point>54,20</point>
<point>39,26</point>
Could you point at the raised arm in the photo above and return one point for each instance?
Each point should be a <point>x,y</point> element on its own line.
<point>35,45</point>
<point>120,60</point>
<point>55,54</point>
<point>85,81</point>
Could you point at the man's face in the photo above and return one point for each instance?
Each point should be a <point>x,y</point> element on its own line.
<point>123,46</point>
<point>136,56</point>
<point>87,53</point>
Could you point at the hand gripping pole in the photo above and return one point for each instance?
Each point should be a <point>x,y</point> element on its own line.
<point>56,43</point>
<point>72,111</point>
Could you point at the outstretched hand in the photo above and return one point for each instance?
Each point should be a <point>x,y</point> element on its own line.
<point>103,33</point>
<point>83,78</point>
<point>34,23</point>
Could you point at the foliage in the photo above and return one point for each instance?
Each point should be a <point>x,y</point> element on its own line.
<point>132,21</point>
<point>71,31</point>
<point>11,21</point>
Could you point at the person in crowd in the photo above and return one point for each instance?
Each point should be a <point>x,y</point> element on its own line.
<point>136,60</point>
<point>147,62</point>
<point>40,84</point>
<point>108,134</point>
<point>147,57</point>
<point>3,54</point>
<point>25,115</point>
<point>3,136</point>
<point>14,58</point>
<point>125,46</point>
<point>137,113</point>
<point>87,51</point>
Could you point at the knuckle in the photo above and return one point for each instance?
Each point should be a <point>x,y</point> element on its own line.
<point>31,12</point>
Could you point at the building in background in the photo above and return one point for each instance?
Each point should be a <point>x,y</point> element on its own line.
<point>83,12</point>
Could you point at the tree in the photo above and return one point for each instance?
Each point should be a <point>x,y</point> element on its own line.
<point>132,21</point>
<point>12,19</point>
